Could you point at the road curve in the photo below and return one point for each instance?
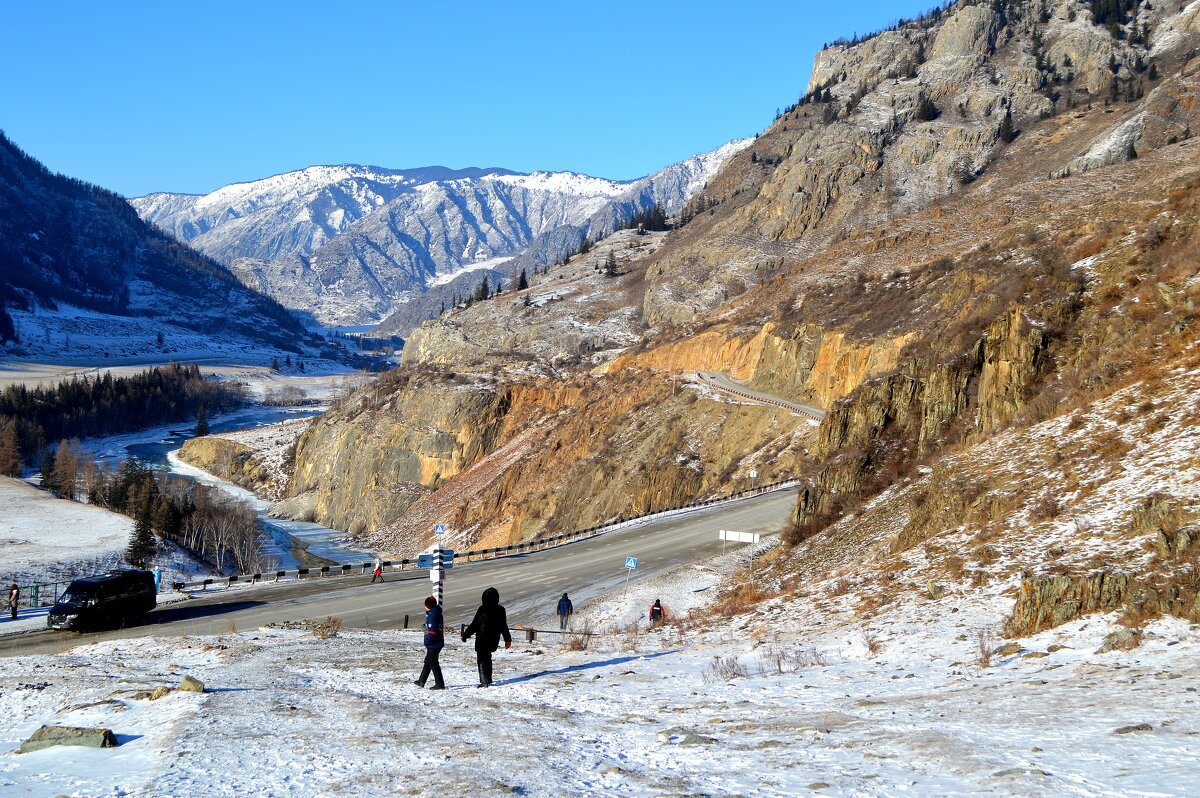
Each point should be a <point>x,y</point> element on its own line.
<point>529,584</point>
<point>726,384</point>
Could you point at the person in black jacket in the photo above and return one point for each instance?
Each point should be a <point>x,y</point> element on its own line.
<point>565,608</point>
<point>489,625</point>
<point>434,641</point>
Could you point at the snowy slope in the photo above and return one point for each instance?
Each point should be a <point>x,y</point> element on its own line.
<point>351,244</point>
<point>797,710</point>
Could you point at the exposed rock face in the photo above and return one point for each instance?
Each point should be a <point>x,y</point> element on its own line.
<point>508,463</point>
<point>866,156</point>
<point>1046,602</point>
<point>229,460</point>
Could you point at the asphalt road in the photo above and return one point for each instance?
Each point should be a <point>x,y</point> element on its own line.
<point>529,584</point>
<point>723,382</point>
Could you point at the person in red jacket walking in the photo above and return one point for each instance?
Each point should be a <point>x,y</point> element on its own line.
<point>377,573</point>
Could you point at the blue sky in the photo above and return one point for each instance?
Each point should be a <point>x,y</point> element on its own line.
<point>189,96</point>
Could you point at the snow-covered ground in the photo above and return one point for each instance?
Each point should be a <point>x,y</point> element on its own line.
<point>43,538</point>
<point>795,706</point>
<point>290,714</point>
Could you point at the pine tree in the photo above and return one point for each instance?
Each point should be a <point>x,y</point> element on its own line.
<point>1006,132</point>
<point>10,449</point>
<point>610,265</point>
<point>201,423</point>
<point>522,281</point>
<point>49,473</point>
<point>141,542</point>
<point>274,364</point>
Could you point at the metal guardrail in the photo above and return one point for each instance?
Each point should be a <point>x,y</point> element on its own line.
<point>34,593</point>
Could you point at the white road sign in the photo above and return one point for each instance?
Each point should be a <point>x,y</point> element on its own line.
<point>436,575</point>
<point>738,537</point>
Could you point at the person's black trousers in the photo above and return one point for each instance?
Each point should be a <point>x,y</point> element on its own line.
<point>484,662</point>
<point>432,666</point>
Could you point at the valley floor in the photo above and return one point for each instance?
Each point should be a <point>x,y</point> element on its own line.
<point>798,708</point>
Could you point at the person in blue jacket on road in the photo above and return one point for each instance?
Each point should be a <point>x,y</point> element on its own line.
<point>565,608</point>
<point>434,641</point>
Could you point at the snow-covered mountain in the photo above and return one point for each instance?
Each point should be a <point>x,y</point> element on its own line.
<point>72,253</point>
<point>352,244</point>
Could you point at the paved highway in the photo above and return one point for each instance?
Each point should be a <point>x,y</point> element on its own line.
<point>529,584</point>
<point>722,382</point>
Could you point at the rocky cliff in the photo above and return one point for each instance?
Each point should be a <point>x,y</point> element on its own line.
<point>937,244</point>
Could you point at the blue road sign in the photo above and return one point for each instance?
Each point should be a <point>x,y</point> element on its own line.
<point>426,561</point>
<point>439,529</point>
<point>631,563</point>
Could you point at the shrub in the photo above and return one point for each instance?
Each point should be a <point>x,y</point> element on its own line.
<point>327,628</point>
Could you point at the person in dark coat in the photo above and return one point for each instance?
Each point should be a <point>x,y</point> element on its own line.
<point>14,598</point>
<point>434,641</point>
<point>489,625</point>
<point>565,608</point>
<point>656,612</point>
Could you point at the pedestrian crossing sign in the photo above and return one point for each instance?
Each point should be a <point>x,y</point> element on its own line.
<point>631,562</point>
<point>439,529</point>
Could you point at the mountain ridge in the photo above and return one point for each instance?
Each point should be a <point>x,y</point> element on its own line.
<point>352,245</point>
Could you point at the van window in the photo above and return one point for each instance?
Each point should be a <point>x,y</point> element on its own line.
<point>74,595</point>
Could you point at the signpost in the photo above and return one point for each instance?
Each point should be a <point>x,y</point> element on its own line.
<point>630,565</point>
<point>729,536</point>
<point>438,562</point>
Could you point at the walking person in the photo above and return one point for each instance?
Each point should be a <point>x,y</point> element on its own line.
<point>488,626</point>
<point>434,641</point>
<point>14,596</point>
<point>157,578</point>
<point>565,608</point>
<point>377,573</point>
<point>656,612</point>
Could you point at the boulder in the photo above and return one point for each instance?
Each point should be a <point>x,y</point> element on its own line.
<point>48,736</point>
<point>1121,640</point>
<point>1137,727</point>
<point>191,684</point>
<point>697,739</point>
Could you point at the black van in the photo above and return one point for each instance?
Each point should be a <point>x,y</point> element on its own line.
<point>103,600</point>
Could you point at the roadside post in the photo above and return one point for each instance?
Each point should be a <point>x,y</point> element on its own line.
<point>442,560</point>
<point>727,536</point>
<point>630,566</point>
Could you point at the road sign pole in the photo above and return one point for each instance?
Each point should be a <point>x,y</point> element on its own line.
<point>440,585</point>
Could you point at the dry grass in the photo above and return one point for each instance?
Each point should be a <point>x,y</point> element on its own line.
<point>723,669</point>
<point>327,628</point>
<point>779,659</point>
<point>871,641</point>
<point>580,639</point>
<point>985,644</point>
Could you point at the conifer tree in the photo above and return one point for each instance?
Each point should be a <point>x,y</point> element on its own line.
<point>10,450</point>
<point>1006,132</point>
<point>141,542</point>
<point>49,473</point>
<point>522,281</point>
<point>610,265</point>
<point>202,422</point>
<point>66,470</point>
